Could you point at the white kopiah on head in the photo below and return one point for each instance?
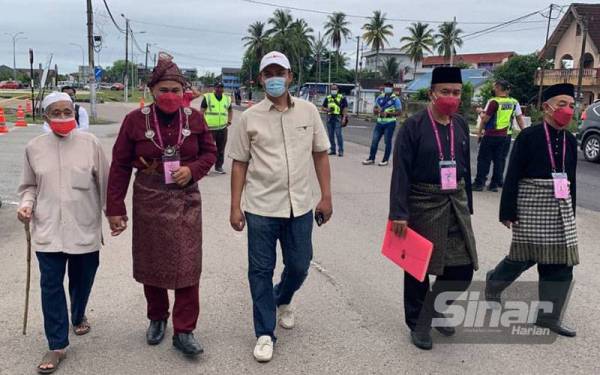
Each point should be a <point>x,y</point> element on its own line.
<point>54,97</point>
<point>274,57</point>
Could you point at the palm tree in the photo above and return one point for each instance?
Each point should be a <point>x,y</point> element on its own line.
<point>336,30</point>
<point>418,42</point>
<point>319,52</point>
<point>280,22</point>
<point>390,69</point>
<point>376,33</point>
<point>300,40</point>
<point>256,41</point>
<point>447,39</point>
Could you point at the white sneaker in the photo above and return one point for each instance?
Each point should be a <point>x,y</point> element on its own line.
<point>368,162</point>
<point>263,351</point>
<point>383,163</point>
<point>286,316</point>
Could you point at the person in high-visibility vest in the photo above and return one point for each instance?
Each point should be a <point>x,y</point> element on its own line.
<point>216,107</point>
<point>336,106</point>
<point>387,108</point>
<point>495,135</point>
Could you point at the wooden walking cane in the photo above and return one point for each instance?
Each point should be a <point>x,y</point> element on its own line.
<point>28,281</point>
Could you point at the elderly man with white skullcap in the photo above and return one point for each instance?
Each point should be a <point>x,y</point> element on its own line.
<point>63,194</point>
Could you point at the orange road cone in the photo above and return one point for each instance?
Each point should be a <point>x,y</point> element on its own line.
<point>20,117</point>
<point>3,127</point>
<point>28,108</point>
<point>142,104</point>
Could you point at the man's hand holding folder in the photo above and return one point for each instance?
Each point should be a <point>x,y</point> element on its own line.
<point>399,227</point>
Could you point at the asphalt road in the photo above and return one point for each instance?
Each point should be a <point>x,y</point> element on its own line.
<point>588,174</point>
<point>349,311</point>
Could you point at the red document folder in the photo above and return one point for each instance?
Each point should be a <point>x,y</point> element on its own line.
<point>412,252</point>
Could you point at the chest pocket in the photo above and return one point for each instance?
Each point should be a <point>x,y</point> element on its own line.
<point>81,178</point>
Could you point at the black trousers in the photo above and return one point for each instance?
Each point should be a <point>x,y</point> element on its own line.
<point>419,299</point>
<point>220,138</point>
<point>554,283</point>
<point>491,149</point>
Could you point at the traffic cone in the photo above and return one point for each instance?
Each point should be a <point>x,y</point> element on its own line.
<point>28,108</point>
<point>3,127</point>
<point>142,104</point>
<point>20,117</point>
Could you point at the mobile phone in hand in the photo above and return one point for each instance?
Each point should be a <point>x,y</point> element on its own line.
<point>319,218</point>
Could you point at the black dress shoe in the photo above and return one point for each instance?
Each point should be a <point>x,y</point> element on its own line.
<point>557,328</point>
<point>421,340</point>
<point>187,344</point>
<point>489,295</point>
<point>477,187</point>
<point>493,188</point>
<point>444,330</point>
<point>156,332</point>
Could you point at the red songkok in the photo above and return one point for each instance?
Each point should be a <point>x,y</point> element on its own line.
<point>166,70</point>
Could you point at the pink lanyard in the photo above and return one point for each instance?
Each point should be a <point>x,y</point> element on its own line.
<point>160,140</point>
<point>564,149</point>
<point>437,137</point>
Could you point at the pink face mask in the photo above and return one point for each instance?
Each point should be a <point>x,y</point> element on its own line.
<point>562,116</point>
<point>169,102</point>
<point>447,105</point>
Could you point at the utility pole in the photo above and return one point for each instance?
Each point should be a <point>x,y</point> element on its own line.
<point>541,90</point>
<point>329,79</point>
<point>32,83</point>
<point>146,69</point>
<point>356,84</point>
<point>92,70</point>
<point>452,46</point>
<point>579,97</point>
<point>125,76</point>
<point>319,53</point>
<point>15,37</point>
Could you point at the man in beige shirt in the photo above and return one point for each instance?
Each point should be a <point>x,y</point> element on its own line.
<point>272,149</point>
<point>63,193</point>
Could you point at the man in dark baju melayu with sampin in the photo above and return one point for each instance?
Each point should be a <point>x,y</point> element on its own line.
<point>431,193</point>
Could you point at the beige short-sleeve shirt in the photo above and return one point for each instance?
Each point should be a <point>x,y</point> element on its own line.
<point>278,148</point>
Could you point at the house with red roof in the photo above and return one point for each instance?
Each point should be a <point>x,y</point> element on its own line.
<point>488,60</point>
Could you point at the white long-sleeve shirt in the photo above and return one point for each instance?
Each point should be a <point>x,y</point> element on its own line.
<point>64,181</point>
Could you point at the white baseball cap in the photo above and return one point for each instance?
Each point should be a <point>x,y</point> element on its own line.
<point>274,57</point>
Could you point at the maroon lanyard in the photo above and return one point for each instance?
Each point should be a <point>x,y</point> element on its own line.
<point>564,149</point>
<point>160,140</point>
<point>437,137</point>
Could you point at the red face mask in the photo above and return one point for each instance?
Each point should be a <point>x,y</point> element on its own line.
<point>562,116</point>
<point>447,105</point>
<point>63,126</point>
<point>169,102</point>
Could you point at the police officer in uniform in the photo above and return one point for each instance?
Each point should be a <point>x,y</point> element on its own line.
<point>387,108</point>
<point>336,106</point>
<point>218,113</point>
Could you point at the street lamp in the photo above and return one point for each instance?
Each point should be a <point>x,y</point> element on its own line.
<point>15,37</point>
<point>82,60</point>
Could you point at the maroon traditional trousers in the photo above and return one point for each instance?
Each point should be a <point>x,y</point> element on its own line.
<point>167,219</point>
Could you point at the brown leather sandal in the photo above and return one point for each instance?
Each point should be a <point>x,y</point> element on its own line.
<point>53,358</point>
<point>82,328</point>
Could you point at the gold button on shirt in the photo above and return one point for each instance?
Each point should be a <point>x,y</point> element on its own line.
<point>278,148</point>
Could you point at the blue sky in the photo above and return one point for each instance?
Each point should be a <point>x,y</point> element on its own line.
<point>207,34</point>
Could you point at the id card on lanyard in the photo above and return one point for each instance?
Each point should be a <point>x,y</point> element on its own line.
<point>560,180</point>
<point>171,163</point>
<point>448,171</point>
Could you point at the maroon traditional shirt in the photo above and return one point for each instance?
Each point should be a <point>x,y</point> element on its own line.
<point>198,152</point>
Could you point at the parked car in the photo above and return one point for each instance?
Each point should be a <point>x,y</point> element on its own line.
<point>10,85</point>
<point>117,86</point>
<point>589,134</point>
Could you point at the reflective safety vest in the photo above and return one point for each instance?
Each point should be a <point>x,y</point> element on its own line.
<point>386,104</point>
<point>504,114</point>
<point>334,104</point>
<point>216,112</point>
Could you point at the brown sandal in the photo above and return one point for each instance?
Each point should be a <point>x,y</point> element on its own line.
<point>53,358</point>
<point>82,328</point>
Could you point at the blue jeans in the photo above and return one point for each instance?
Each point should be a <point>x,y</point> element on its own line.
<point>295,236</point>
<point>382,130</point>
<point>81,270</point>
<point>334,131</point>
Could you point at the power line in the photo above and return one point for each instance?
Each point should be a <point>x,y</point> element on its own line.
<point>274,5</point>
<point>503,24</point>
<point>112,18</point>
<point>185,28</point>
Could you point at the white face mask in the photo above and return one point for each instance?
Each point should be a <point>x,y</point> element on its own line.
<point>334,92</point>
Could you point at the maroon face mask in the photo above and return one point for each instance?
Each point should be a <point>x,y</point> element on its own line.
<point>562,116</point>
<point>447,105</point>
<point>169,102</point>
